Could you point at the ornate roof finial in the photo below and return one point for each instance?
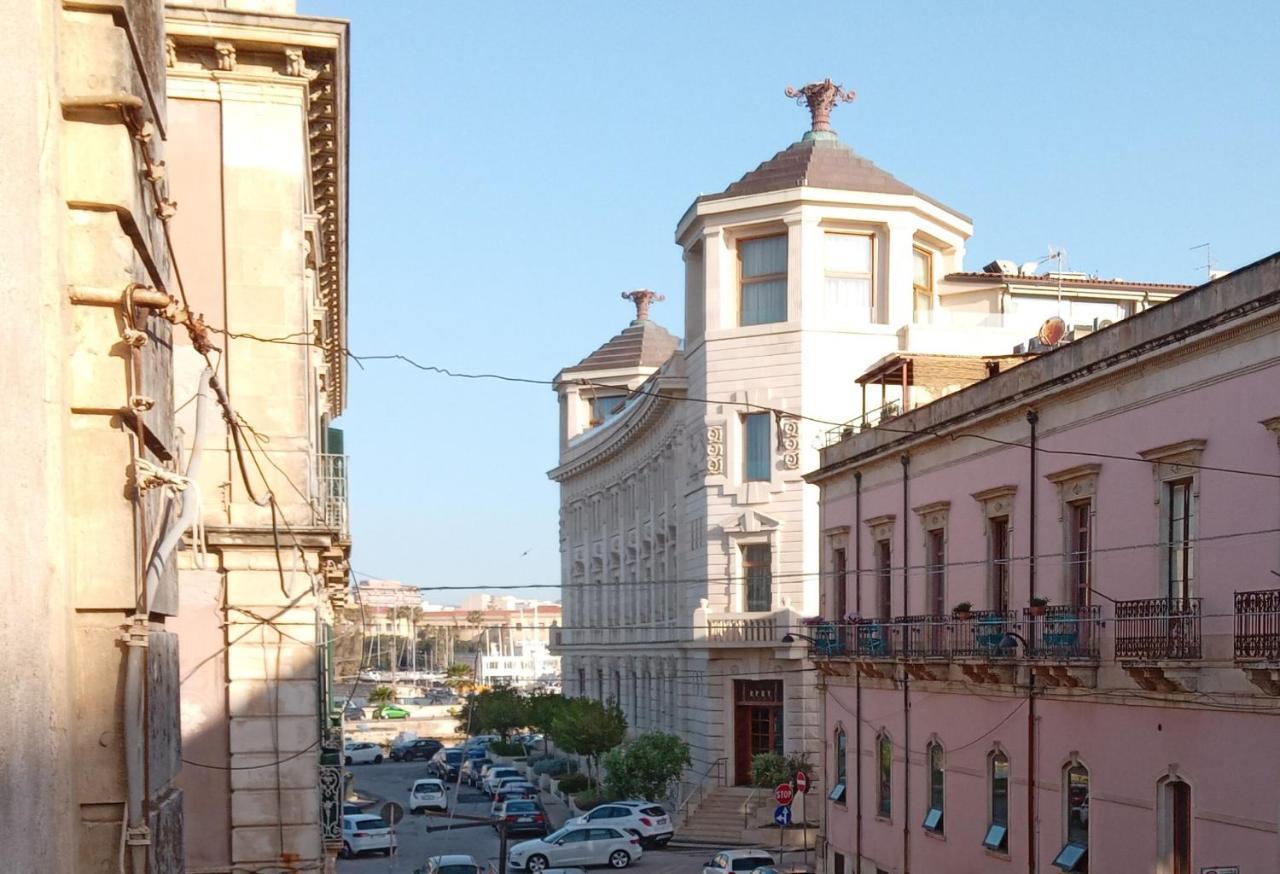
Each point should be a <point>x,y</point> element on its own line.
<point>822,98</point>
<point>642,297</point>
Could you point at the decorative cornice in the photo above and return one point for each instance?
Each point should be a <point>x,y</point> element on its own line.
<point>1078,472</point>
<point>994,493</point>
<point>620,433</point>
<point>877,521</point>
<point>1172,450</point>
<point>932,507</point>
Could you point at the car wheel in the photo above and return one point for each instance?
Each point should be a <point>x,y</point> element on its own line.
<point>536,863</point>
<point>619,858</point>
<point>377,760</point>
<point>346,850</point>
<point>348,760</point>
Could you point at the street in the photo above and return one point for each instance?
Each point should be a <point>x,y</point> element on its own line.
<point>390,781</point>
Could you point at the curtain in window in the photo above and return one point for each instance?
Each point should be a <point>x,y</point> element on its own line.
<point>758,452</point>
<point>848,267</point>
<point>764,280</point>
<point>759,575</point>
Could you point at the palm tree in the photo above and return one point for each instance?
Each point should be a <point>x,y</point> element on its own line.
<point>458,678</point>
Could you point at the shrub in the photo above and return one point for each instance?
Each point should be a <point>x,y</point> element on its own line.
<point>572,783</point>
<point>502,748</point>
<point>588,798</point>
<point>647,767</point>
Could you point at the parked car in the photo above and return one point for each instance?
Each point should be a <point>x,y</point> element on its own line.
<point>497,774</point>
<point>352,809</point>
<point>390,711</point>
<point>506,783</point>
<point>428,794</point>
<point>522,815</point>
<point>364,832</point>
<point>738,860</point>
<point>471,770</point>
<point>576,845</point>
<point>480,741</point>
<point>644,818</point>
<point>450,864</point>
<point>416,750</point>
<point>445,764</point>
<point>511,793</point>
<point>362,753</point>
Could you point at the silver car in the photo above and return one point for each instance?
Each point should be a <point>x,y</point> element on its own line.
<point>576,846</point>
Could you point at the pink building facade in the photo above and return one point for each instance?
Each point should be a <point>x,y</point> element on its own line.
<point>1129,724</point>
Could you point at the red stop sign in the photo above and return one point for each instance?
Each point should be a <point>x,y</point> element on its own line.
<point>782,794</point>
<point>802,782</point>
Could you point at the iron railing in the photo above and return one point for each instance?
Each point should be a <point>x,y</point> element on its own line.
<point>923,637</point>
<point>332,497</point>
<point>1258,626</point>
<point>331,803</point>
<point>985,634</point>
<point>1062,632</point>
<point>1156,629</point>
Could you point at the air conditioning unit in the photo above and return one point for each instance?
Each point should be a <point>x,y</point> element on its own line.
<point>1008,268</point>
<point>1099,324</point>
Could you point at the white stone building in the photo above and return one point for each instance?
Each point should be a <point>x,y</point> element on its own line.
<point>690,543</point>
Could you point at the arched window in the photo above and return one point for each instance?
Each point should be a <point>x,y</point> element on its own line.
<point>998,783</point>
<point>1173,810</point>
<point>933,819</point>
<point>839,784</point>
<point>884,776</point>
<point>1074,855</point>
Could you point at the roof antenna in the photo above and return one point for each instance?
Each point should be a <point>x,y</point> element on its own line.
<point>1208,260</point>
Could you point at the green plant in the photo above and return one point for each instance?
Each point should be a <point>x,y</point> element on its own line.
<point>541,710</point>
<point>1039,601</point>
<point>588,728</point>
<point>381,695</point>
<point>502,748</point>
<point>498,710</point>
<point>647,767</point>
<point>572,783</point>
<point>588,798</point>
<point>769,769</point>
<point>962,607</point>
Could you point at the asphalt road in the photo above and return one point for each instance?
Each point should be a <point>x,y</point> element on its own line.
<point>390,781</point>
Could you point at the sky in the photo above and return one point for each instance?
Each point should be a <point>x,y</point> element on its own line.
<point>516,166</point>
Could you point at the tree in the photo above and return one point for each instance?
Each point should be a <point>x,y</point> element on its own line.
<point>542,709</point>
<point>772,769</point>
<point>498,710</point>
<point>588,728</point>
<point>458,678</point>
<point>647,767</point>
<point>381,695</point>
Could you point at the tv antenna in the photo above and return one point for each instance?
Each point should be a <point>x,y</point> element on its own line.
<point>1208,260</point>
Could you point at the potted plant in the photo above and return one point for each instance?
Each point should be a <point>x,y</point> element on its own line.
<point>1038,605</point>
<point>962,610</point>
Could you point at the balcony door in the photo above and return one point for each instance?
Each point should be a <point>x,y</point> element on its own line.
<point>758,717</point>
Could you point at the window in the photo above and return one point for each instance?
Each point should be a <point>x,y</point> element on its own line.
<point>1174,838</point>
<point>763,264</point>
<point>998,778</point>
<point>839,575</point>
<point>840,783</point>
<point>1074,856</point>
<point>1080,518</point>
<point>603,408</point>
<point>933,819</point>
<point>884,578</point>
<point>922,280</point>
<point>1181,513</point>
<point>998,553</point>
<point>935,572</point>
<point>837,863</point>
<point>757,454</point>
<point>757,561</point>
<point>848,268</point>
<point>884,776</point>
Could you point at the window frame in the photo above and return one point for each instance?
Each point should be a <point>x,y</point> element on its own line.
<point>1179,577</point>
<point>765,475</point>
<point>748,565</point>
<point>869,276</point>
<point>935,564</point>
<point>1074,855</point>
<point>997,842</point>
<point>592,408</point>
<point>1080,552</point>
<point>936,784</point>
<point>884,577</point>
<point>884,776</point>
<point>840,578</point>
<point>921,290</point>
<point>744,280</point>
<point>999,562</point>
<point>839,786</point>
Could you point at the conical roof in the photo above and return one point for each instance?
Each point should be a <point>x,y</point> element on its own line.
<point>643,343</point>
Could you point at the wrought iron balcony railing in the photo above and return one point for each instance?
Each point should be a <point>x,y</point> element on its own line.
<point>1063,632</point>
<point>332,498</point>
<point>1257,637</point>
<point>985,634</point>
<point>1158,629</point>
<point>924,637</point>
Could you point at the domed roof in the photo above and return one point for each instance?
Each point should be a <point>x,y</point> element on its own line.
<point>641,344</point>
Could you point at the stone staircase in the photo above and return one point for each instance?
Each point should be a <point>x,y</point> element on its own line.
<point>726,817</point>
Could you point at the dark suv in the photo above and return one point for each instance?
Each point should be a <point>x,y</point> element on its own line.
<point>416,750</point>
<point>445,764</point>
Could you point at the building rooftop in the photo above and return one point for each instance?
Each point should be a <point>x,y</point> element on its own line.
<point>1049,280</point>
<point>643,343</point>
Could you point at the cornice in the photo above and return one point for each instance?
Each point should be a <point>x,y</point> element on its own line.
<point>622,433</point>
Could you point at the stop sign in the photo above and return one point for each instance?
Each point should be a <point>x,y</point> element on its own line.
<point>802,782</point>
<point>783,793</point>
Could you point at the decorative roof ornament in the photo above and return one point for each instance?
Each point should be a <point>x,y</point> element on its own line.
<point>821,97</point>
<point>642,298</point>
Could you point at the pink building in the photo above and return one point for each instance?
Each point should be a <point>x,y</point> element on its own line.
<point>1108,513</point>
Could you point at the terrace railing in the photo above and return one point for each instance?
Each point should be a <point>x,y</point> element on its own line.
<point>1158,629</point>
<point>924,637</point>
<point>1257,637</point>
<point>1063,632</point>
<point>985,634</point>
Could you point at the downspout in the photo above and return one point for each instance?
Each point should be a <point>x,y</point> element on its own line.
<point>857,676</point>
<point>138,836</point>
<point>1032,419</point>
<point>906,682</point>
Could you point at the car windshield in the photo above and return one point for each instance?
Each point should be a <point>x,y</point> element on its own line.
<point>521,807</point>
<point>453,757</point>
<point>365,824</point>
<point>748,862</point>
<point>557,835</point>
<point>433,786</point>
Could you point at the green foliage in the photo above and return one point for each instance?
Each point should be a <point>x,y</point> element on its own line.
<point>498,710</point>
<point>588,728</point>
<point>771,769</point>
<point>572,783</point>
<point>589,798</point>
<point>542,709</point>
<point>458,678</point>
<point>380,695</point>
<point>647,767</point>
<point>502,748</point>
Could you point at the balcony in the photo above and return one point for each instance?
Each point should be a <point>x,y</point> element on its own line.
<point>332,497</point>
<point>1257,637</point>
<point>1153,635</point>
<point>1062,633</point>
<point>743,629</point>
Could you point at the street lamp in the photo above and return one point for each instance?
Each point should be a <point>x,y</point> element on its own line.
<point>790,637</point>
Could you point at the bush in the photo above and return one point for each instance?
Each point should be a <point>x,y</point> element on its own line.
<point>771,769</point>
<point>572,783</point>
<point>552,765</point>
<point>502,748</point>
<point>648,767</point>
<point>588,798</point>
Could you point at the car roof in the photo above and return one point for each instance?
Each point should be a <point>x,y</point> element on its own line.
<point>360,817</point>
<point>432,780</point>
<point>741,854</point>
<point>453,859</point>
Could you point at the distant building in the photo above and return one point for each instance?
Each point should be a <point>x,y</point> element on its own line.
<point>524,663</point>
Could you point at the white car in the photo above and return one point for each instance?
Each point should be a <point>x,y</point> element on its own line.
<point>450,864</point>
<point>362,832</point>
<point>738,860</point>
<point>428,795</point>
<point>643,818</point>
<point>359,753</point>
<point>495,777</point>
<point>576,845</point>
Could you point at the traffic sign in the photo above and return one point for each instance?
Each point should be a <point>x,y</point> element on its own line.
<point>802,782</point>
<point>783,794</point>
<point>782,815</point>
<point>391,813</point>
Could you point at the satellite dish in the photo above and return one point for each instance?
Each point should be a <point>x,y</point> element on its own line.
<point>1030,268</point>
<point>1052,331</point>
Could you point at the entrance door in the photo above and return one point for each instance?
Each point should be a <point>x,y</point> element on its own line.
<point>757,723</point>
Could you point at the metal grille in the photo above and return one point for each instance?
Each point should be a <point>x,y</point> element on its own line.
<point>1158,628</point>
<point>332,506</point>
<point>923,637</point>
<point>1258,626</point>
<point>331,802</point>
<point>1063,632</point>
<point>986,634</point>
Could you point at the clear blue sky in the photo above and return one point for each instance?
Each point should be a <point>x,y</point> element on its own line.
<point>515,166</point>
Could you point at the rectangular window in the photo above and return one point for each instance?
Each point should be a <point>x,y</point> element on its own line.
<point>1080,516</point>
<point>757,451</point>
<point>1178,536</point>
<point>1180,802</point>
<point>884,784</point>
<point>763,265</point>
<point>922,280</point>
<point>997,837</point>
<point>603,408</point>
<point>884,578</point>
<point>839,573</point>
<point>849,275</point>
<point>933,820</point>
<point>936,572</point>
<point>998,554</point>
<point>837,863</point>
<point>757,561</point>
<point>838,790</point>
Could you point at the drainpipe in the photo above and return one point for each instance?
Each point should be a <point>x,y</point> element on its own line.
<point>138,836</point>
<point>1032,419</point>
<point>906,683</point>
<point>857,677</point>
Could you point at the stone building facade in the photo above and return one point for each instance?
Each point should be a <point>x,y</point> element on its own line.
<point>690,541</point>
